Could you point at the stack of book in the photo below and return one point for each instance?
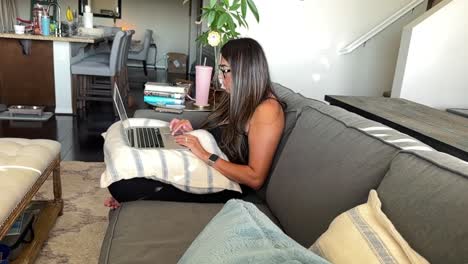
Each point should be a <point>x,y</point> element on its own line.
<point>165,95</point>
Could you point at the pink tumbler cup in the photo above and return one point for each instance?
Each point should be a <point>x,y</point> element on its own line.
<point>202,84</point>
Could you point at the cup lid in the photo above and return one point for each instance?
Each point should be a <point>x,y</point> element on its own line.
<point>203,66</point>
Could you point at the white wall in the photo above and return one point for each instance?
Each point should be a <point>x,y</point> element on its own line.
<point>433,62</point>
<point>301,39</point>
<point>168,19</point>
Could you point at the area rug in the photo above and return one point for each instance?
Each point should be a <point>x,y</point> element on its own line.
<point>78,233</point>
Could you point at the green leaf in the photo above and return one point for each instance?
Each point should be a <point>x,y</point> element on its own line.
<point>244,22</point>
<point>232,26</point>
<point>226,3</point>
<point>234,7</point>
<point>222,20</point>
<point>211,17</point>
<point>203,38</point>
<point>220,9</point>
<point>244,8</point>
<point>230,20</point>
<point>213,3</point>
<point>254,10</point>
<point>239,19</point>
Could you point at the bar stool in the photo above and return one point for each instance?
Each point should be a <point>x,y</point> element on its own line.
<point>82,70</point>
<point>122,70</point>
<point>140,52</point>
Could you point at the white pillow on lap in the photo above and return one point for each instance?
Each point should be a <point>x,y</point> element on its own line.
<point>180,168</point>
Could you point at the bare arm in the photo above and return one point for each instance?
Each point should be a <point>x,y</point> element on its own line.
<point>264,133</point>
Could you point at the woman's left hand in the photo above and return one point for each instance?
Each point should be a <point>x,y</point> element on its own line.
<point>193,144</point>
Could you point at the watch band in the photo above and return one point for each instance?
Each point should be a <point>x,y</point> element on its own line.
<point>212,159</point>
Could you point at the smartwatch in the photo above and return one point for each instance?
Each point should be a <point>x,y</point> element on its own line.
<point>212,159</point>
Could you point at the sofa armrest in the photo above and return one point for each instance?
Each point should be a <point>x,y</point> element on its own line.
<point>196,117</point>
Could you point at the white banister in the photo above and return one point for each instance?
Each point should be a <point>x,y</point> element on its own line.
<point>379,28</point>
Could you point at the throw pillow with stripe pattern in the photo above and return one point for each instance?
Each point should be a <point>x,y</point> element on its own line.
<point>180,168</point>
<point>364,234</point>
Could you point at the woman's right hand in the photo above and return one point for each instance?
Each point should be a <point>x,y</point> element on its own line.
<point>180,126</point>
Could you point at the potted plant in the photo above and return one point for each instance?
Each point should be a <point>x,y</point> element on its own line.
<point>223,18</point>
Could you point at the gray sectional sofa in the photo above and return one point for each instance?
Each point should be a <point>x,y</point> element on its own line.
<point>327,162</point>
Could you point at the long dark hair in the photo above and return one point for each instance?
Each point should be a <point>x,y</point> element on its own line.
<point>251,85</point>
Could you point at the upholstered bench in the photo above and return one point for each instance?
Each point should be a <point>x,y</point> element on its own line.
<point>24,166</point>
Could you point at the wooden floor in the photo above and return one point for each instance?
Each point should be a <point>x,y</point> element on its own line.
<point>81,138</point>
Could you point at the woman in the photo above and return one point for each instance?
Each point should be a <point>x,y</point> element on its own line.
<point>247,125</point>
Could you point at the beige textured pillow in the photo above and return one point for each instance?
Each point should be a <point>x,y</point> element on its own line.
<point>364,234</point>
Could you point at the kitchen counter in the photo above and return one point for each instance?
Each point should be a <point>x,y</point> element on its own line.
<point>75,39</point>
<point>36,69</point>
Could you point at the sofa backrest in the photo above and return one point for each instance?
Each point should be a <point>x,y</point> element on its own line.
<point>328,165</point>
<point>294,104</point>
<point>425,195</point>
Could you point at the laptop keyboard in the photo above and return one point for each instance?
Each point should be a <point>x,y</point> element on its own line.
<point>146,137</point>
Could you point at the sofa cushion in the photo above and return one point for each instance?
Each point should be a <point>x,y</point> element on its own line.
<point>333,158</point>
<point>426,196</point>
<point>293,99</point>
<point>155,231</point>
<point>294,104</point>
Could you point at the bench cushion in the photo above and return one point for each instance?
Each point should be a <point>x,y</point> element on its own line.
<point>22,161</point>
<point>155,231</point>
<point>425,194</point>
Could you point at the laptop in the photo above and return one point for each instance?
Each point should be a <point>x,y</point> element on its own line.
<point>143,137</point>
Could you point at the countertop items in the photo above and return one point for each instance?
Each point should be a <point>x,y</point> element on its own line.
<point>19,29</point>
<point>77,39</point>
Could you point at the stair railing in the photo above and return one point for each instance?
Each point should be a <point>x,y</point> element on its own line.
<point>379,28</point>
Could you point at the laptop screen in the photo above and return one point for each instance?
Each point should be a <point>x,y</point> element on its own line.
<point>120,108</point>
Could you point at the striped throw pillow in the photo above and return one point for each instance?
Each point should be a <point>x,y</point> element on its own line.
<point>364,234</point>
<point>181,168</point>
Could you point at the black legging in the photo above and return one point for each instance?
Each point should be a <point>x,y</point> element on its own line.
<point>146,189</point>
